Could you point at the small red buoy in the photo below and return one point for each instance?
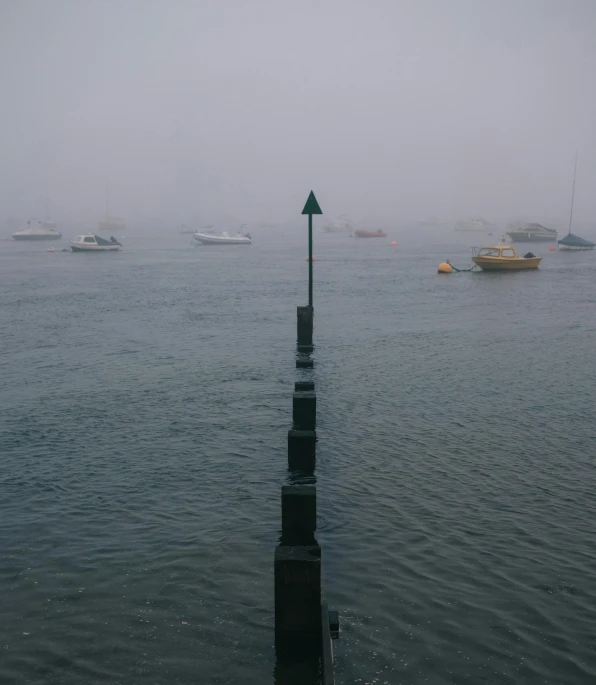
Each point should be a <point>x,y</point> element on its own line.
<point>552,248</point>
<point>393,243</point>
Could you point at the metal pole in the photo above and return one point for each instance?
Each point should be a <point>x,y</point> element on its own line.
<point>310,260</point>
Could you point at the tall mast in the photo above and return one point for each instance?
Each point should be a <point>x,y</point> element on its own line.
<point>572,193</point>
<point>107,200</point>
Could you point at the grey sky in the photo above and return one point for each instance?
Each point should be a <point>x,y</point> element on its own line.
<point>386,108</point>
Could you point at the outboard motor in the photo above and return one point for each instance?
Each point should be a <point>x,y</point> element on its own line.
<point>529,255</point>
<point>113,240</point>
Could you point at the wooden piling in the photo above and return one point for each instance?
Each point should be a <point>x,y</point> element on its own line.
<point>299,513</point>
<point>298,597</point>
<point>304,410</point>
<point>305,320</point>
<point>302,445</point>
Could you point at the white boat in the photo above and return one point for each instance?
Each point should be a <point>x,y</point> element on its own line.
<point>476,223</point>
<point>530,232</point>
<point>44,230</point>
<point>223,238</point>
<point>110,224</point>
<point>341,225</point>
<point>430,222</point>
<point>94,243</point>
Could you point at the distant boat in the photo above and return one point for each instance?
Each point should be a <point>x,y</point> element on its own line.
<point>94,243</point>
<point>224,238</point>
<point>430,222</point>
<point>38,230</point>
<point>110,224</point>
<point>369,234</point>
<point>528,233</point>
<point>340,225</point>
<point>572,241</point>
<point>476,223</point>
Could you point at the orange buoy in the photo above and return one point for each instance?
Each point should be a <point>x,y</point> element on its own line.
<point>444,268</point>
<point>393,243</point>
<point>552,248</point>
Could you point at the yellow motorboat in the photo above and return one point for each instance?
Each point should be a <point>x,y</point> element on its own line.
<point>504,258</point>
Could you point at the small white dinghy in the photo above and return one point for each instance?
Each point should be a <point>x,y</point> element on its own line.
<point>223,238</point>
<point>94,243</point>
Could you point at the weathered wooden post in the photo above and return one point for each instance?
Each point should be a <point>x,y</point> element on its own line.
<point>299,513</point>
<point>302,446</point>
<point>303,626</point>
<point>304,410</point>
<point>297,570</point>
<point>305,317</point>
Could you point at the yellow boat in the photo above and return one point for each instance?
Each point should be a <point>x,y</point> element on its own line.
<point>504,258</point>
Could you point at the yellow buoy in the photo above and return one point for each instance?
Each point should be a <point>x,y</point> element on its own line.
<point>445,268</point>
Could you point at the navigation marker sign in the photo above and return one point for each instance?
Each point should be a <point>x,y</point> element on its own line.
<point>311,207</point>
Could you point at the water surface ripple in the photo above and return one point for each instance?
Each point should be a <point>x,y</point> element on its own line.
<point>145,401</point>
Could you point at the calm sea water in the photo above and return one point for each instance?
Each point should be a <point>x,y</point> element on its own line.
<point>144,405</point>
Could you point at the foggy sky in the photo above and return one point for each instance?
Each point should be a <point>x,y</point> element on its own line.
<point>386,108</point>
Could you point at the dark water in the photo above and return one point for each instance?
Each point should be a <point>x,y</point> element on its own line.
<point>144,406</point>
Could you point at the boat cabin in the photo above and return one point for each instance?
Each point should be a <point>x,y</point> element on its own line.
<point>501,251</point>
<point>89,239</point>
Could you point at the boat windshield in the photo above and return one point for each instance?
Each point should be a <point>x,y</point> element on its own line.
<point>489,252</point>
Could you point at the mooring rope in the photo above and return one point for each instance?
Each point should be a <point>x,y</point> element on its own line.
<point>460,270</point>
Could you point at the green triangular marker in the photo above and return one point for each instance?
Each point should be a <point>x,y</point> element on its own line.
<point>312,206</point>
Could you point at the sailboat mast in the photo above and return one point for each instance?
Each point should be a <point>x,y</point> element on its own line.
<point>572,192</point>
<point>107,200</point>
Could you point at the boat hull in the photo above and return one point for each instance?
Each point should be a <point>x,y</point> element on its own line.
<point>504,264</point>
<point>369,234</point>
<point>56,236</point>
<point>94,248</point>
<point>520,237</point>
<point>576,248</point>
<point>221,240</point>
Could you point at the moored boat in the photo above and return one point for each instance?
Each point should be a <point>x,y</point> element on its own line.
<point>430,222</point>
<point>340,225</point>
<point>359,233</point>
<point>223,238</point>
<point>531,232</point>
<point>504,258</point>
<point>94,243</point>
<point>44,230</point>
<point>476,223</point>
<point>574,242</point>
<point>111,225</point>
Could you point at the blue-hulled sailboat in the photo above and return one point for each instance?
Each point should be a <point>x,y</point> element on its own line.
<point>572,241</point>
